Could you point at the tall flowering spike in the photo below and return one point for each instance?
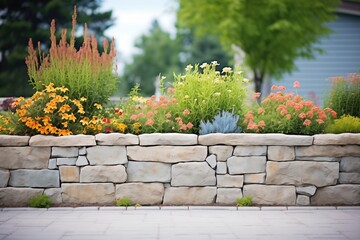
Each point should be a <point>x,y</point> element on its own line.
<point>106,45</point>
<point>73,27</point>
<point>52,34</point>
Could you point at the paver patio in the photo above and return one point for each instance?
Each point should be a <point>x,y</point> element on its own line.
<point>173,223</point>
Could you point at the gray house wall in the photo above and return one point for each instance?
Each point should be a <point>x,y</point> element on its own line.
<point>342,56</point>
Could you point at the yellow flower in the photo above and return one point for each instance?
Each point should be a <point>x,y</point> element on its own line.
<point>65,124</point>
<point>72,117</point>
<point>63,89</point>
<point>84,121</point>
<point>81,110</point>
<point>142,100</point>
<point>64,132</point>
<point>122,127</point>
<point>217,94</point>
<point>98,106</point>
<point>50,88</point>
<point>65,108</point>
<point>82,99</point>
<point>226,70</point>
<point>21,112</point>
<point>64,116</point>
<point>18,101</point>
<point>245,80</point>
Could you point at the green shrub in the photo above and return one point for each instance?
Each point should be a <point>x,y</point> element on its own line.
<point>287,113</point>
<point>40,201</point>
<point>85,72</point>
<point>344,97</point>
<point>346,124</point>
<point>244,201</point>
<point>124,202</point>
<point>206,93</point>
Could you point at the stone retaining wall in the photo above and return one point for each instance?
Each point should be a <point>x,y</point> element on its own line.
<point>177,169</point>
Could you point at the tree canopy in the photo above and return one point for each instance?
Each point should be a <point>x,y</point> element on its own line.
<point>24,19</point>
<point>161,53</point>
<point>272,33</point>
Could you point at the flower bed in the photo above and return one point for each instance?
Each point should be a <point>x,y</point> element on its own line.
<point>177,169</point>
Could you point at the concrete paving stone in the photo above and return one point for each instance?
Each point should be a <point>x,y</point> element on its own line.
<point>86,209</point>
<point>348,208</point>
<point>61,209</point>
<point>277,208</point>
<point>112,208</point>
<point>248,208</point>
<point>140,208</point>
<point>211,208</point>
<point>25,209</point>
<point>174,208</point>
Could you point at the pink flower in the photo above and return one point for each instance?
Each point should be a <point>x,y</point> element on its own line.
<point>320,121</point>
<point>282,88</point>
<point>302,115</point>
<point>171,90</point>
<point>164,105</point>
<point>256,95</point>
<point>274,88</point>
<point>261,110</point>
<point>288,116</point>
<point>183,127</point>
<point>307,122</point>
<point>310,114</point>
<point>149,122</point>
<point>186,112</point>
<point>150,114</point>
<point>189,125</point>
<point>296,84</point>
<point>261,124</point>
<point>178,119</point>
<point>333,113</point>
<point>168,115</point>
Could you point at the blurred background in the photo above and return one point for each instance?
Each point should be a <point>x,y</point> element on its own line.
<point>275,41</point>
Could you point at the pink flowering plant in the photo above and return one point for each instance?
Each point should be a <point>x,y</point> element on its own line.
<point>288,113</point>
<point>140,115</point>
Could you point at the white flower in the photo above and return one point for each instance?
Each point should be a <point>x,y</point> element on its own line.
<point>245,80</point>
<point>188,67</point>
<point>187,97</point>
<point>229,90</point>
<point>217,73</point>
<point>217,94</point>
<point>215,63</point>
<point>240,72</point>
<point>226,70</point>
<point>203,65</point>
<point>183,77</point>
<point>163,77</point>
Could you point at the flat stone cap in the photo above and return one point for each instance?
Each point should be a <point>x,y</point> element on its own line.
<point>14,141</point>
<point>118,139</point>
<point>62,141</point>
<point>255,139</point>
<point>337,139</point>
<point>174,139</point>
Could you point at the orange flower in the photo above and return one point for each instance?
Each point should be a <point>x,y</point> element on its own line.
<point>333,113</point>
<point>171,90</point>
<point>133,117</point>
<point>307,122</point>
<point>288,116</point>
<point>178,119</point>
<point>186,112</point>
<point>189,125</point>
<point>183,127</point>
<point>296,84</point>
<point>282,88</point>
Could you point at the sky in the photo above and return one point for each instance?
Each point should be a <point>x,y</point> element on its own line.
<point>133,18</point>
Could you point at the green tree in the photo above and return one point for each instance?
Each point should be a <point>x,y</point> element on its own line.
<point>24,19</point>
<point>158,54</point>
<point>272,33</point>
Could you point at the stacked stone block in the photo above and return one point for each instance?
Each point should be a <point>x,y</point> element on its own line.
<point>181,169</point>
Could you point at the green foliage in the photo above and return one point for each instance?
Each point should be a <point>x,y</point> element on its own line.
<point>124,202</point>
<point>85,73</point>
<point>23,18</point>
<point>224,122</point>
<point>244,201</point>
<point>346,124</point>
<point>344,97</point>
<point>272,33</point>
<point>40,201</point>
<point>205,93</point>
<point>287,113</point>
